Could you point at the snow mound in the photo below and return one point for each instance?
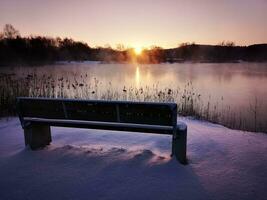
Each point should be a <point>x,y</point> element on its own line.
<point>97,164</point>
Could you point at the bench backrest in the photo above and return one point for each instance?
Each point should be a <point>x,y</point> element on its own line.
<point>151,113</point>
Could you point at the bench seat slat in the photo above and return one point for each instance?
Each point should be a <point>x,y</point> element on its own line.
<point>103,125</point>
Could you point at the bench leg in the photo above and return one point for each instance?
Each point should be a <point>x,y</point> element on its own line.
<point>37,136</point>
<point>179,143</point>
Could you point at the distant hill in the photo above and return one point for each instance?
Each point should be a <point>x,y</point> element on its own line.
<point>217,53</point>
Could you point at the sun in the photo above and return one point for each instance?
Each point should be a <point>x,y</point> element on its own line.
<point>138,50</point>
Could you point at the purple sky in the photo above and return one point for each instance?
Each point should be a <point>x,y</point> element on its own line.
<point>135,23</point>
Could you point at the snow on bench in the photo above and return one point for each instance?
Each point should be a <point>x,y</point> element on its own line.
<point>38,114</point>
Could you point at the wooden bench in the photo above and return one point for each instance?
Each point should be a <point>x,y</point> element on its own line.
<point>38,114</point>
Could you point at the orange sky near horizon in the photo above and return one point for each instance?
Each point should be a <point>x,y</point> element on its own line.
<point>140,23</point>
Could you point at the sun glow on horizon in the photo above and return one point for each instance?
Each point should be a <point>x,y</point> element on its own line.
<point>138,50</point>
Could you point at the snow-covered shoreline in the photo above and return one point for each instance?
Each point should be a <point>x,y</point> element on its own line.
<point>99,164</point>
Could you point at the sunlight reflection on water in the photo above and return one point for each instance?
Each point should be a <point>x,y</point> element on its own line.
<point>137,76</point>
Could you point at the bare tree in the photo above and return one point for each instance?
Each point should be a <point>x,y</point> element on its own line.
<point>120,47</point>
<point>10,32</point>
<point>227,44</point>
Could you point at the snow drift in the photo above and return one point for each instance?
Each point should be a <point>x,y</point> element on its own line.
<point>96,164</point>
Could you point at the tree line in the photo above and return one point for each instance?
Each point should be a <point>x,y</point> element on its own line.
<point>15,49</point>
<point>223,52</point>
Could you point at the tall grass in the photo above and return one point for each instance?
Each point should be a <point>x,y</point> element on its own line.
<point>81,86</point>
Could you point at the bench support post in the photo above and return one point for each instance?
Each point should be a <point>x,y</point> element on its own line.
<point>37,135</point>
<point>179,143</point>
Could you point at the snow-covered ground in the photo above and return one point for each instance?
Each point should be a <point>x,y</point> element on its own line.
<point>94,164</point>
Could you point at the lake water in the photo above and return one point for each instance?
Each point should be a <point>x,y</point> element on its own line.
<point>238,90</point>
